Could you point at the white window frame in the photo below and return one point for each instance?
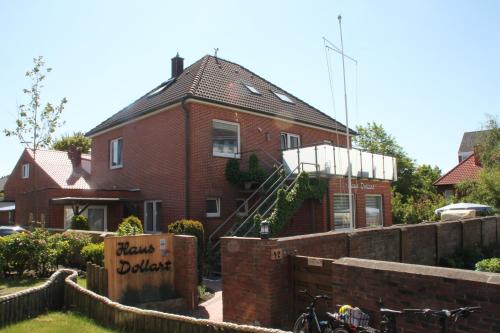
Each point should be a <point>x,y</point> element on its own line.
<point>67,223</point>
<point>245,213</point>
<point>287,137</point>
<point>353,224</point>
<point>155,216</point>
<point>216,214</point>
<point>381,210</point>
<point>230,155</point>
<point>25,171</point>
<point>111,151</point>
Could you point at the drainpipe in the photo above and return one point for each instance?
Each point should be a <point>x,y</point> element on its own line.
<point>186,157</point>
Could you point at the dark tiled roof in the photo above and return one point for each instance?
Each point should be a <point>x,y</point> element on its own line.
<point>465,170</point>
<point>469,140</point>
<point>3,180</point>
<point>221,81</point>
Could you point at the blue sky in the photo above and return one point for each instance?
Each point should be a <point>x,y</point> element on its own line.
<point>428,70</point>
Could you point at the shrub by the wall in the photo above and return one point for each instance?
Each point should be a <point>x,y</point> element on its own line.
<point>94,252</point>
<point>194,228</point>
<point>130,226</point>
<point>68,246</point>
<point>79,222</point>
<point>489,265</point>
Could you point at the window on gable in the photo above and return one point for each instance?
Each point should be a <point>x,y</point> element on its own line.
<point>25,171</point>
<point>213,207</point>
<point>116,153</point>
<point>289,140</point>
<point>225,139</point>
<point>283,97</point>
<point>252,89</point>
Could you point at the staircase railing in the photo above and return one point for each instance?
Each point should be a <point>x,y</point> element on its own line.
<point>250,217</point>
<point>247,200</point>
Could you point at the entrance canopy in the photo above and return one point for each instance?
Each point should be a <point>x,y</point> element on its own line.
<point>7,206</point>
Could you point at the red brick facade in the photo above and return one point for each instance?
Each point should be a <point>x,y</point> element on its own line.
<point>154,166</point>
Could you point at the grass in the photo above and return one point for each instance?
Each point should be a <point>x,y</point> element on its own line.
<point>12,285</point>
<point>82,282</point>
<point>57,322</point>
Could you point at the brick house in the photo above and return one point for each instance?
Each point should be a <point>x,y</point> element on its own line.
<point>171,146</point>
<point>467,170</point>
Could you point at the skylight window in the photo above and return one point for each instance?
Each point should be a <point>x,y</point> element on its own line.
<point>160,88</point>
<point>283,97</point>
<point>252,89</point>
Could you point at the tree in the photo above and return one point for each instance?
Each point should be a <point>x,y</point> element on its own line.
<point>78,139</point>
<point>35,125</point>
<point>486,190</point>
<point>414,196</point>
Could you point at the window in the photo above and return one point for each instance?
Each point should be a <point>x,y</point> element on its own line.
<point>243,211</point>
<point>448,194</point>
<point>116,153</point>
<point>373,210</point>
<point>225,139</point>
<point>289,141</point>
<point>213,207</point>
<point>152,216</point>
<point>283,97</point>
<point>96,215</point>
<point>160,88</point>
<point>341,211</point>
<point>252,89</point>
<point>25,171</point>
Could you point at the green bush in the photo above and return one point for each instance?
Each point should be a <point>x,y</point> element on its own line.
<point>94,253</point>
<point>79,222</point>
<point>68,246</point>
<point>232,172</point>
<point>255,173</point>
<point>194,228</point>
<point>489,265</point>
<point>130,226</point>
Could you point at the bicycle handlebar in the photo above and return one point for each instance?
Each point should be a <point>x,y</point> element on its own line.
<point>315,298</point>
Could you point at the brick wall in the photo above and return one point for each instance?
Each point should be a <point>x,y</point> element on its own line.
<point>185,271</point>
<point>418,244</point>
<point>257,288</point>
<point>414,286</point>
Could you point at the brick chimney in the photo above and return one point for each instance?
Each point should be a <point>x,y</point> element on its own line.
<point>75,155</point>
<point>477,157</point>
<point>177,65</point>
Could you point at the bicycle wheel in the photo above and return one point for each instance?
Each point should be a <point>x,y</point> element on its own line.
<point>301,324</point>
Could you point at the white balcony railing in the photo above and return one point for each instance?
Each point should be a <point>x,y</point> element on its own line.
<point>331,160</point>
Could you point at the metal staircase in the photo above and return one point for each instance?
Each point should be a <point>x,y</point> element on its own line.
<point>262,201</point>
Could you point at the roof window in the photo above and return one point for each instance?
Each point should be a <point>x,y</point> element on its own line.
<point>160,88</point>
<point>252,89</point>
<point>283,97</point>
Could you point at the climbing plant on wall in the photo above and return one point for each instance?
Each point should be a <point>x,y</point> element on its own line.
<point>288,203</point>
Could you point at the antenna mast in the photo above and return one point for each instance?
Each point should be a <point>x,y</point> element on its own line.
<point>349,168</point>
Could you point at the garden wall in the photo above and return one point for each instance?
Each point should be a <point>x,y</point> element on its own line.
<point>400,286</point>
<point>256,273</point>
<point>62,292</point>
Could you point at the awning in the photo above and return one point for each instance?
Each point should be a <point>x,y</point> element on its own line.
<point>7,206</point>
<point>86,200</point>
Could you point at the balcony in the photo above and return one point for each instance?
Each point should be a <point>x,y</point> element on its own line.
<point>330,160</point>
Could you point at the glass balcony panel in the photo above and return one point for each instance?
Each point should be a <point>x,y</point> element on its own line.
<point>290,160</point>
<point>341,161</point>
<point>367,165</point>
<point>388,167</point>
<point>378,166</point>
<point>308,159</point>
<point>355,163</point>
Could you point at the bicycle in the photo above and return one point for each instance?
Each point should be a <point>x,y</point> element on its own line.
<point>308,321</point>
<point>388,321</point>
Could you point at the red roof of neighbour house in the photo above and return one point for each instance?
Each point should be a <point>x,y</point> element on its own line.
<point>57,165</point>
<point>465,170</point>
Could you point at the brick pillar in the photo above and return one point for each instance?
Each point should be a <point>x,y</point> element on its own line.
<point>185,269</point>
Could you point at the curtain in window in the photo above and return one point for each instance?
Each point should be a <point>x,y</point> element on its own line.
<point>224,138</point>
<point>373,211</point>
